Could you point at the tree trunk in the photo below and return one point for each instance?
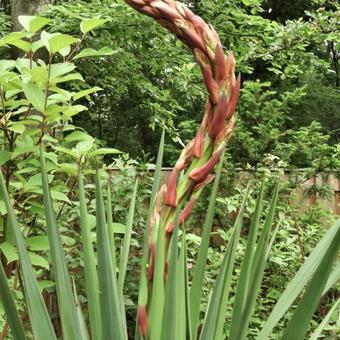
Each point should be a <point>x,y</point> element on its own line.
<point>25,7</point>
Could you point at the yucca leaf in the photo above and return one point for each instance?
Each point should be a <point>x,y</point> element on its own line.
<point>181,292</point>
<point>299,281</point>
<point>110,224</point>
<point>170,315</point>
<point>8,304</point>
<point>83,334</point>
<point>90,269</point>
<point>257,266</point>
<point>197,281</point>
<point>111,318</point>
<point>143,284</point>
<point>244,278</point>
<point>299,323</point>
<point>333,278</point>
<point>215,314</point>
<point>316,334</point>
<point>67,308</point>
<point>158,289</point>
<point>39,317</point>
<point>124,256</point>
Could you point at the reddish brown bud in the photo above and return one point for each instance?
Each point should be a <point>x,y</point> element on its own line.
<point>210,82</point>
<point>230,64</point>
<point>142,318</point>
<point>169,13</point>
<point>151,12</point>
<point>187,211</point>
<point>234,98</point>
<point>221,65</point>
<point>170,196</point>
<point>199,143</point>
<point>199,175</point>
<point>152,261</point>
<point>185,156</point>
<point>217,124</point>
<point>207,181</point>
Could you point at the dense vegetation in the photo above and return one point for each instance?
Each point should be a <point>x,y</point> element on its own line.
<point>106,99</point>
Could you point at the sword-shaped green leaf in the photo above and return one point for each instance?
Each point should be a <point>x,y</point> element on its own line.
<point>90,269</point>
<point>217,303</point>
<point>66,303</point>
<point>296,285</point>
<point>112,323</point>
<point>8,304</point>
<point>197,281</point>
<point>39,317</point>
<point>300,321</point>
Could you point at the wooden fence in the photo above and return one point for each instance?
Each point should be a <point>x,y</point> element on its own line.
<point>331,202</point>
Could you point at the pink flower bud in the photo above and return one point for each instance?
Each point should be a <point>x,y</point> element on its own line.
<point>217,124</point>
<point>170,196</point>
<point>199,143</point>
<point>221,65</point>
<point>202,184</point>
<point>169,13</point>
<point>187,211</point>
<point>199,175</point>
<point>185,156</point>
<point>234,97</point>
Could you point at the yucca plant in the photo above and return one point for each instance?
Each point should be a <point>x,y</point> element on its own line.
<point>169,300</point>
<point>104,282</point>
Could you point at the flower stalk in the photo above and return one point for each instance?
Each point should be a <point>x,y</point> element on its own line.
<point>194,168</point>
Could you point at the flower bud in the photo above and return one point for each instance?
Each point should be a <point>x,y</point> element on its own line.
<point>142,318</point>
<point>199,175</point>
<point>234,98</point>
<point>170,195</point>
<point>217,124</point>
<point>199,143</point>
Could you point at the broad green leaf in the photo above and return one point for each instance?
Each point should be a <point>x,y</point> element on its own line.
<point>60,41</point>
<point>5,156</point>
<point>300,321</point>
<point>104,151</point>
<point>38,260</point>
<point>67,308</point>
<point>35,95</point>
<point>17,127</point>
<point>58,70</point>
<point>90,270</point>
<point>84,146</point>
<point>84,93</point>
<point>39,317</point>
<point>8,303</point>
<point>90,52</point>
<point>89,24</point>
<point>67,77</point>
<point>32,24</point>
<point>77,136</point>
<point>9,251</point>
<point>37,243</point>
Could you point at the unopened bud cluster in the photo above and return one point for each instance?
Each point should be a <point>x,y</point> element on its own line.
<point>200,156</point>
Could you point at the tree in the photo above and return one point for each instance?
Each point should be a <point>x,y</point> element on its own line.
<point>25,7</point>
